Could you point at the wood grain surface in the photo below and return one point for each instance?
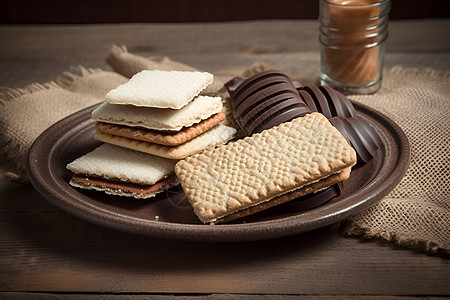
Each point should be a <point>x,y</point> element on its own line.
<point>47,253</point>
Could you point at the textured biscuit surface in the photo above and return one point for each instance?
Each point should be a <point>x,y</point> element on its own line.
<point>215,136</point>
<point>200,108</point>
<point>121,164</point>
<point>161,138</point>
<point>163,89</point>
<point>256,169</point>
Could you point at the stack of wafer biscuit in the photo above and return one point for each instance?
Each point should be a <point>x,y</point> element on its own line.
<point>162,113</point>
<point>147,124</point>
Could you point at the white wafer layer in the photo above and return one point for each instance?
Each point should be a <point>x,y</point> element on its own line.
<point>163,89</point>
<point>118,163</point>
<point>201,108</point>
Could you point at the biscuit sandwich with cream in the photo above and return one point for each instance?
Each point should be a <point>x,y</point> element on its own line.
<point>123,172</point>
<point>296,158</point>
<point>162,113</point>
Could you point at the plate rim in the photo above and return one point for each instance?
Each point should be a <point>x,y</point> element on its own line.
<point>261,230</point>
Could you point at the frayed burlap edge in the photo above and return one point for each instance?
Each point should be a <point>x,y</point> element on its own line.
<point>350,229</point>
<point>354,228</point>
<point>12,153</point>
<point>63,81</point>
<point>9,94</point>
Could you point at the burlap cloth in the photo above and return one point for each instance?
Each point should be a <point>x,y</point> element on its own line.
<point>415,214</point>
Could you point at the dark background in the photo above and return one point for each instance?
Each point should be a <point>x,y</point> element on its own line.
<point>121,11</point>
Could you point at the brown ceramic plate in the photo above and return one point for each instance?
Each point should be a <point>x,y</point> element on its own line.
<point>170,216</point>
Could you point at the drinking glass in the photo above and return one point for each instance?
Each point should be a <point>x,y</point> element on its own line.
<point>353,36</point>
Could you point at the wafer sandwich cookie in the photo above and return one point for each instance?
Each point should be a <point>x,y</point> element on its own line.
<point>158,137</point>
<point>198,109</point>
<point>217,135</point>
<point>304,155</point>
<point>163,89</point>
<point>122,172</point>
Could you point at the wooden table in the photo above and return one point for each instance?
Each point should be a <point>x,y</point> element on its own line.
<point>46,252</point>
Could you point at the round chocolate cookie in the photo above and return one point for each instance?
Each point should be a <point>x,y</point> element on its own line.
<point>360,135</point>
<point>327,101</point>
<point>264,100</point>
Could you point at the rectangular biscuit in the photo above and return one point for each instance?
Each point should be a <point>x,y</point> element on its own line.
<point>215,136</point>
<point>201,108</point>
<point>256,169</point>
<point>121,164</point>
<point>163,89</point>
<point>161,138</point>
<point>122,172</point>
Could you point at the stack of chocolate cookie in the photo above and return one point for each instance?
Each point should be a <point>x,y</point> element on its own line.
<point>334,105</point>
<point>270,98</point>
